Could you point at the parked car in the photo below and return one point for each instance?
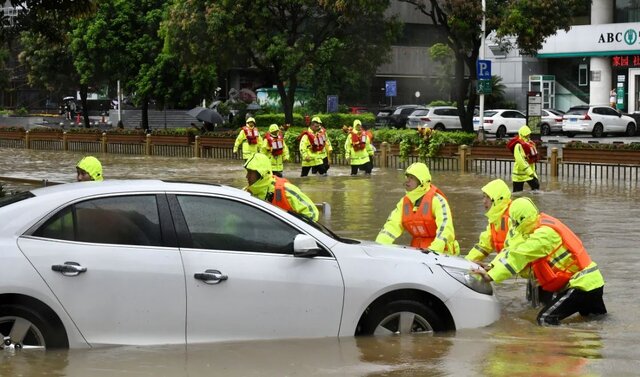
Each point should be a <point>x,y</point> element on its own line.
<point>551,122</point>
<point>154,262</point>
<point>501,122</point>
<point>597,120</point>
<point>439,118</point>
<point>383,116</point>
<point>358,110</point>
<point>398,119</point>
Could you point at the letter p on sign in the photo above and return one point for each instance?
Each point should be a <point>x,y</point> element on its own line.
<point>483,69</point>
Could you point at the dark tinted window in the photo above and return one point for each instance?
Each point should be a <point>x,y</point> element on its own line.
<point>6,200</point>
<point>577,111</point>
<point>222,224</point>
<point>489,114</point>
<point>608,111</point>
<point>418,113</point>
<point>125,220</point>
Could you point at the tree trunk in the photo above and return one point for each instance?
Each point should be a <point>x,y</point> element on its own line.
<point>85,105</point>
<point>286,97</point>
<point>144,122</point>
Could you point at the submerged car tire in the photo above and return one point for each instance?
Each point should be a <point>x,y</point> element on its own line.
<point>401,317</point>
<point>598,130</point>
<point>32,328</point>
<point>631,130</point>
<point>501,132</point>
<point>545,130</point>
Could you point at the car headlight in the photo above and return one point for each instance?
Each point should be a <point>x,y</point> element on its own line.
<point>473,281</point>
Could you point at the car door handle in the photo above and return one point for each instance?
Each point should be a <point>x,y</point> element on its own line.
<point>69,268</point>
<point>211,277</point>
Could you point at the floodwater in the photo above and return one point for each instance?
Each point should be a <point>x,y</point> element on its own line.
<point>605,215</point>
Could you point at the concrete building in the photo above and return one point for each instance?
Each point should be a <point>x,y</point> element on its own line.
<point>600,53</point>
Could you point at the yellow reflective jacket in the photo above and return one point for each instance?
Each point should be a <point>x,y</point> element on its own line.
<point>357,157</point>
<point>300,203</point>
<point>307,156</point>
<point>539,244</point>
<point>277,162</point>
<point>248,150</point>
<point>522,170</point>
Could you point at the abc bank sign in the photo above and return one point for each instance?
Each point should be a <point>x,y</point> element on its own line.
<point>593,40</point>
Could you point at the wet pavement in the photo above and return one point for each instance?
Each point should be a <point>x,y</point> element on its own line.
<point>604,214</point>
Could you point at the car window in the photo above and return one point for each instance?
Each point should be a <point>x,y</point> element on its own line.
<point>489,114</point>
<point>222,224</point>
<point>518,115</point>
<point>608,111</point>
<point>508,114</point>
<point>124,220</point>
<point>576,111</point>
<point>451,112</point>
<point>440,111</point>
<point>407,111</point>
<point>418,113</point>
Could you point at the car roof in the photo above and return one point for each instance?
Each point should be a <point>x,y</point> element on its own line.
<point>115,186</point>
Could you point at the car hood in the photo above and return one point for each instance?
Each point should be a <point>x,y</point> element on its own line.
<point>395,252</point>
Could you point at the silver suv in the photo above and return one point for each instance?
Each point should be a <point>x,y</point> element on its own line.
<point>437,117</point>
<point>597,120</point>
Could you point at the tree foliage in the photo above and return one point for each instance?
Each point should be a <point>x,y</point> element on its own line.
<point>288,41</point>
<point>528,23</point>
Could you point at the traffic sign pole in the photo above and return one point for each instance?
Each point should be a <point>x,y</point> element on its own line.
<point>481,135</point>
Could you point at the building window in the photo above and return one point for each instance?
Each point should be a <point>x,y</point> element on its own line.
<point>627,11</point>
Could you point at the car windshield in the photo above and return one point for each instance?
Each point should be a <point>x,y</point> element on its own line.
<point>319,226</point>
<point>578,111</point>
<point>14,198</point>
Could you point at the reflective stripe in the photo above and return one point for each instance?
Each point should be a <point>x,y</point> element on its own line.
<point>507,266</point>
<point>482,250</point>
<point>278,194</point>
<point>310,206</point>
<point>426,208</point>
<point>443,207</point>
<point>552,308</point>
<point>560,257</point>
<point>584,272</point>
<point>385,232</point>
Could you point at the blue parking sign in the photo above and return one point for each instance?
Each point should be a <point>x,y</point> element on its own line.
<point>332,104</point>
<point>390,88</point>
<point>483,69</point>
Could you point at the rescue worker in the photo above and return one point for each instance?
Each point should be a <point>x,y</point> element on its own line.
<point>275,190</point>
<point>357,149</point>
<point>249,138</point>
<point>273,145</point>
<point>312,143</point>
<point>328,148</point>
<point>558,261</point>
<point>424,212</point>
<point>89,168</point>
<point>496,201</point>
<point>525,156</point>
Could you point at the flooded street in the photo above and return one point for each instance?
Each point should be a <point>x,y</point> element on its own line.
<point>606,216</point>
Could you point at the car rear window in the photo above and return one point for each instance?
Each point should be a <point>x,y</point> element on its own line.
<point>576,111</point>
<point>489,114</point>
<point>14,198</point>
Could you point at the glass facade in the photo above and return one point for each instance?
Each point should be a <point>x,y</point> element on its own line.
<point>627,11</point>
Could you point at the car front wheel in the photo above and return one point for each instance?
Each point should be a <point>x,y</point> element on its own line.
<point>24,328</point>
<point>598,130</point>
<point>401,317</point>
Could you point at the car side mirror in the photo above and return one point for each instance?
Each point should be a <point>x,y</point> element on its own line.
<point>304,246</point>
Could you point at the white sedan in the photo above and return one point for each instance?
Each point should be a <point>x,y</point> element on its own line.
<point>501,122</point>
<point>152,262</point>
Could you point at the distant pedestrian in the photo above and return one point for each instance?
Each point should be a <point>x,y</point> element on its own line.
<point>525,156</point>
<point>612,98</point>
<point>312,145</point>
<point>273,145</point>
<point>357,149</point>
<point>89,169</point>
<point>249,138</point>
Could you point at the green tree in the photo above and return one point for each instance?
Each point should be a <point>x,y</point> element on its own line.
<point>496,98</point>
<point>292,40</point>
<point>442,54</point>
<point>120,41</point>
<point>528,23</point>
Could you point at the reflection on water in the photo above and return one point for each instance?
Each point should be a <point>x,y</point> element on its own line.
<point>605,215</point>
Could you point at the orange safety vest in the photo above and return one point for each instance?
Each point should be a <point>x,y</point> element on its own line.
<point>498,235</point>
<point>276,143</point>
<point>252,134</point>
<point>553,274</point>
<point>279,198</point>
<point>358,140</point>
<point>420,224</point>
<point>529,148</point>
<point>317,141</point>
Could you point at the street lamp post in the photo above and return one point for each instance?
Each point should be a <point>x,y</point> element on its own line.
<point>481,135</point>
